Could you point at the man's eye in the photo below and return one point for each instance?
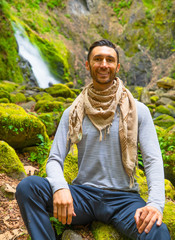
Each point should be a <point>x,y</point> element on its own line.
<point>98,59</point>
<point>109,60</point>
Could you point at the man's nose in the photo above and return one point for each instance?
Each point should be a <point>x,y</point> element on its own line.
<point>104,63</point>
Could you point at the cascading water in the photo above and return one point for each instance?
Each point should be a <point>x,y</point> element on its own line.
<point>31,53</point>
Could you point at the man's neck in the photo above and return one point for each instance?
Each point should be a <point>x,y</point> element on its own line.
<point>102,87</point>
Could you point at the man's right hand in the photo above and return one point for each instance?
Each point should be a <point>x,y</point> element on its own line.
<point>63,208</point>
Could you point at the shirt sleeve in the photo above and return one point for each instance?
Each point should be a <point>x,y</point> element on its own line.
<point>58,153</point>
<point>152,158</point>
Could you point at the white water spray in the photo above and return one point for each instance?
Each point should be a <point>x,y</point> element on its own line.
<point>31,53</point>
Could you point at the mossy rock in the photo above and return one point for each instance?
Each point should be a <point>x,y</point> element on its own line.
<point>70,84</point>
<point>163,109</point>
<point>4,100</point>
<point>48,106</point>
<point>154,99</point>
<point>164,121</point>
<point>4,94</point>
<point>61,90</point>
<point>169,190</point>
<point>8,86</point>
<point>17,97</point>
<point>43,96</point>
<point>76,91</point>
<point>103,231</point>
<point>169,217</point>
<point>166,83</point>
<point>20,129</point>
<point>9,162</point>
<point>136,91</point>
<point>171,109</point>
<point>51,121</point>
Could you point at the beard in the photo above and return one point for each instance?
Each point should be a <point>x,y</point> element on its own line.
<point>95,77</point>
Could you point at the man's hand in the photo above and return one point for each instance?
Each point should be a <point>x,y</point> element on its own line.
<point>63,208</point>
<point>146,217</point>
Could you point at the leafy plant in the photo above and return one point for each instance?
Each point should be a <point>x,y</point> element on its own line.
<point>58,226</point>
<point>42,151</point>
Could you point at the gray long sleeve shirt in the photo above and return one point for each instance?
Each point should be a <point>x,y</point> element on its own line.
<point>100,163</point>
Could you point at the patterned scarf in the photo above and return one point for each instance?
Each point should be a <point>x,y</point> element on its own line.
<point>100,106</point>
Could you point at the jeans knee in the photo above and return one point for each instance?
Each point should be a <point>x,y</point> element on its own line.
<point>24,188</point>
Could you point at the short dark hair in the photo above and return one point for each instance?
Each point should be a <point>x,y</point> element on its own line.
<point>103,42</point>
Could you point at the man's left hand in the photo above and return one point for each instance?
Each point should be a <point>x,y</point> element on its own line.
<point>146,217</point>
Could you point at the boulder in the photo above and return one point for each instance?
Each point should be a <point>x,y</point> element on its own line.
<point>9,162</point>
<point>166,83</point>
<point>164,121</point>
<point>61,90</point>
<point>71,235</point>
<point>48,106</point>
<point>20,129</point>
<point>8,86</point>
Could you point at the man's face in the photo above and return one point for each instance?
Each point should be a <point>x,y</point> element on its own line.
<point>103,66</point>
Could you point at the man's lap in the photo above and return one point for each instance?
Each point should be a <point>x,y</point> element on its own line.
<point>90,203</point>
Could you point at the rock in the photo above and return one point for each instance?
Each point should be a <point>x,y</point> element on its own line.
<point>164,101</point>
<point>8,191</point>
<point>166,83</point>
<point>17,97</point>
<point>104,231</point>
<point>61,90</point>
<point>9,162</point>
<point>154,99</point>
<point>136,91</point>
<point>20,129</point>
<point>140,70</point>
<point>8,86</point>
<point>28,105</point>
<point>145,97</point>
<point>164,121</point>
<point>70,235</point>
<point>48,106</point>
<point>169,94</point>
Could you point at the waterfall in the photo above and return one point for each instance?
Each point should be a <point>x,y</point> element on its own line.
<point>31,53</point>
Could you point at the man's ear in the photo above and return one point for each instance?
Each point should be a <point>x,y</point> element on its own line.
<point>87,65</point>
<point>118,67</point>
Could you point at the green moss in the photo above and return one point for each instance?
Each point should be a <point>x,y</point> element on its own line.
<point>160,131</point>
<point>8,86</point>
<point>43,96</point>
<point>9,161</point>
<point>4,100</point>
<point>71,165</point>
<point>169,190</point>
<point>61,90</point>
<point>4,94</point>
<point>163,109</point>
<point>154,99</point>
<point>70,84</point>
<point>103,231</point>
<point>30,99</point>
<point>20,129</point>
<point>164,121</point>
<point>48,106</point>
<point>17,98</point>
<point>169,217</point>
<point>9,69</point>
<point>136,91</point>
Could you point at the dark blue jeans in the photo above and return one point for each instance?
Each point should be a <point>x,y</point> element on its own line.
<point>35,200</point>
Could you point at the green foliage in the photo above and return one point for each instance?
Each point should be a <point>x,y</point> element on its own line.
<point>42,151</point>
<point>9,58</point>
<point>118,5</point>
<point>58,226</point>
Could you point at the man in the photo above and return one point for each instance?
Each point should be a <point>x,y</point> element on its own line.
<point>106,123</point>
